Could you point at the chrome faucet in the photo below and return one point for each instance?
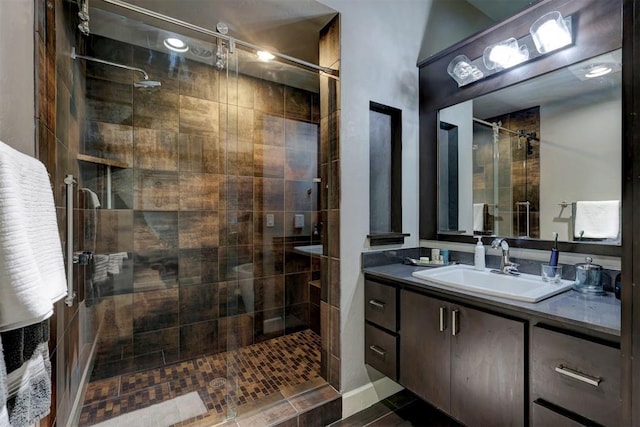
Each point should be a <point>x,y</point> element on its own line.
<point>506,266</point>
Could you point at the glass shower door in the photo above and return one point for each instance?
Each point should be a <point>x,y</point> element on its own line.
<point>235,286</point>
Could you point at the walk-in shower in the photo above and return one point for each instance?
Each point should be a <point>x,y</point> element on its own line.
<point>205,291</point>
<point>506,174</point>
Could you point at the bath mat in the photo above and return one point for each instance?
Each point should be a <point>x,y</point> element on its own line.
<point>162,414</point>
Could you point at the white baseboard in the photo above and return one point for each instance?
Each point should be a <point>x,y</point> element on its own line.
<point>362,397</point>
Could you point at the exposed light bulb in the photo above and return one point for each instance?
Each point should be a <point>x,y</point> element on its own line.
<point>505,54</point>
<point>550,32</point>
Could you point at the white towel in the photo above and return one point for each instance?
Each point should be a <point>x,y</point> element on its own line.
<point>100,268</point>
<point>32,273</point>
<point>116,262</point>
<point>598,219</point>
<point>478,216</point>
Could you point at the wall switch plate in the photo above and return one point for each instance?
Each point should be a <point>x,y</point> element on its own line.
<point>298,221</point>
<point>271,221</point>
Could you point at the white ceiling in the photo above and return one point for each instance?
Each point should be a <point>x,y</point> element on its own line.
<point>498,10</point>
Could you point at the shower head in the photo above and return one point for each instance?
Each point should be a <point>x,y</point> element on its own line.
<point>146,83</point>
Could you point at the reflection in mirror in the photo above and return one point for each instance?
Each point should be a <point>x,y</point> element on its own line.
<point>537,158</point>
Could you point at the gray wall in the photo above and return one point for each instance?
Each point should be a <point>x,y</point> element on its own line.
<point>449,22</point>
<point>380,47</point>
<point>17,110</point>
<point>381,43</point>
<point>581,144</point>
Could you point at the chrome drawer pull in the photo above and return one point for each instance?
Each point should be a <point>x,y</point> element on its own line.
<point>443,324</point>
<point>376,303</point>
<point>594,381</point>
<point>378,350</point>
<point>454,322</point>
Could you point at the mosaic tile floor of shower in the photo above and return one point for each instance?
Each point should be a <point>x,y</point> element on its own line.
<point>261,372</point>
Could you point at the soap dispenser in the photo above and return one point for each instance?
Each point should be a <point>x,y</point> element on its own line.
<point>478,259</point>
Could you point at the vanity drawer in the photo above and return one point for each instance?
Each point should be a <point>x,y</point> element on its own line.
<point>576,374</point>
<point>380,304</point>
<point>545,417</point>
<point>380,351</point>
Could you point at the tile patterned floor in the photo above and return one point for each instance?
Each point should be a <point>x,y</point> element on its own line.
<point>247,380</point>
<point>403,409</point>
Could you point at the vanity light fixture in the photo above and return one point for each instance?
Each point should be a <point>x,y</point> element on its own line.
<point>263,55</point>
<point>176,45</point>
<point>505,54</point>
<point>463,72</point>
<point>550,32</point>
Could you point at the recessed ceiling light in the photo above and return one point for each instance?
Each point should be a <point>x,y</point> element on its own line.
<point>175,44</point>
<point>597,70</point>
<point>264,55</point>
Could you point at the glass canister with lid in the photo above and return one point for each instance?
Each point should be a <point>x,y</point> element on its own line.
<point>589,278</point>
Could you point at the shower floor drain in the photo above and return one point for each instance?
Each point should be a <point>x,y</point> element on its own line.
<point>217,382</point>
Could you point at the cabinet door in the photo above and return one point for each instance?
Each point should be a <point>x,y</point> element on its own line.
<point>424,348</point>
<point>487,369</point>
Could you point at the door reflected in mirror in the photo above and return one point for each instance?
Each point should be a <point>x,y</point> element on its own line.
<point>537,158</point>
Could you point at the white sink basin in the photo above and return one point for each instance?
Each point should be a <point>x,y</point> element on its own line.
<point>526,287</point>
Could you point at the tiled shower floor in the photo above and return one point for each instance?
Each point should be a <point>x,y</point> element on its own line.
<point>260,375</point>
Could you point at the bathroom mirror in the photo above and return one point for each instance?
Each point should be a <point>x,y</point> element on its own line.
<point>522,161</point>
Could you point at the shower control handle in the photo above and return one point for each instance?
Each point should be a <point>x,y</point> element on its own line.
<point>82,258</point>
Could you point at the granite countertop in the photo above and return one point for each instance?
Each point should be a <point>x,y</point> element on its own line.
<point>598,313</point>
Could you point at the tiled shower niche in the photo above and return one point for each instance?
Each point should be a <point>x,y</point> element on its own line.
<point>185,262</point>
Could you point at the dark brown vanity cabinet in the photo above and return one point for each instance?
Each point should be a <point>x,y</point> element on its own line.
<point>380,329</point>
<point>574,378</point>
<point>468,363</point>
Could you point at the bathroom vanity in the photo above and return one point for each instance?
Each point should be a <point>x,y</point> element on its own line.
<point>487,360</point>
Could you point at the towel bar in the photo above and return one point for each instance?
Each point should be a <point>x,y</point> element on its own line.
<point>70,181</point>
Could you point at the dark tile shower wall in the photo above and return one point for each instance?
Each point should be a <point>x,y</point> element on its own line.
<point>200,164</point>
<point>330,204</point>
